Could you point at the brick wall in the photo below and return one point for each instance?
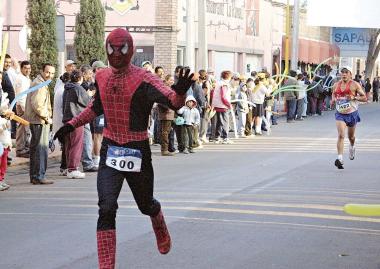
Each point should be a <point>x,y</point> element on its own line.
<point>165,45</point>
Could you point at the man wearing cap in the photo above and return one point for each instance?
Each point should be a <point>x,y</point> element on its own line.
<point>346,94</point>
<point>98,65</point>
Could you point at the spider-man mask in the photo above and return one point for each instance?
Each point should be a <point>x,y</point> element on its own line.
<point>119,47</point>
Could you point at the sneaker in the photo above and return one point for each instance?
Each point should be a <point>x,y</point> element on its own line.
<point>75,174</point>
<point>227,141</point>
<point>204,140</point>
<point>185,151</point>
<point>191,151</point>
<point>91,169</point>
<point>217,141</point>
<point>3,186</point>
<point>352,152</point>
<point>63,172</point>
<point>200,146</point>
<point>339,164</point>
<point>167,153</point>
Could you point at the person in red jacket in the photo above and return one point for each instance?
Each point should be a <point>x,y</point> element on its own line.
<point>125,95</point>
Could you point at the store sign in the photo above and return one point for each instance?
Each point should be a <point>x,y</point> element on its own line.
<point>353,42</point>
<point>225,9</point>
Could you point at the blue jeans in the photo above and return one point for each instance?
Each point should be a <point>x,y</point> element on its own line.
<point>87,161</point>
<point>39,146</point>
<point>291,107</point>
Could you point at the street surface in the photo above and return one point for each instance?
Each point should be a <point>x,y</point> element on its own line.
<point>267,202</point>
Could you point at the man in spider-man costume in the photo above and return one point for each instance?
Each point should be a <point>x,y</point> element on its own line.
<point>125,96</point>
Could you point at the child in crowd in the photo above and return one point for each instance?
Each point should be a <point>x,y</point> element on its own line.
<point>192,120</point>
<point>5,136</point>
<point>242,109</point>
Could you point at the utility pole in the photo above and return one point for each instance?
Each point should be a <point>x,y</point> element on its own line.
<point>190,53</point>
<point>287,36</point>
<point>295,33</point>
<point>202,32</point>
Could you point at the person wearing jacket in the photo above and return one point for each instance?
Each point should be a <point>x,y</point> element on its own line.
<point>38,112</point>
<point>75,100</point>
<point>166,117</point>
<point>291,96</point>
<point>221,101</point>
<point>191,116</point>
<point>242,108</point>
<point>58,114</point>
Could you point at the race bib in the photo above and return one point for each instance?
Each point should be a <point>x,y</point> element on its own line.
<point>343,106</point>
<point>124,159</point>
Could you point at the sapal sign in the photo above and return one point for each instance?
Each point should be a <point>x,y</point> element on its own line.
<point>353,42</point>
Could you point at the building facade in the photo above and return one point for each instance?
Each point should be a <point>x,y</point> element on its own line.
<point>241,35</point>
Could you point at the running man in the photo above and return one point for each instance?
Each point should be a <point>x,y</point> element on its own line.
<point>346,95</point>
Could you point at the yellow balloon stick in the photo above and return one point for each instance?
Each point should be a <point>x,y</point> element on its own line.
<point>362,210</point>
<point>4,50</point>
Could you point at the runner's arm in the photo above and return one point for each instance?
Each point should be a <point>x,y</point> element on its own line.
<point>359,93</point>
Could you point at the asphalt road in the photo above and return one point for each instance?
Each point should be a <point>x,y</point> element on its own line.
<point>268,202</point>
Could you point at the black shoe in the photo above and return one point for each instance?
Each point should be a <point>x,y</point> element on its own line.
<point>91,169</point>
<point>339,164</point>
<point>23,155</point>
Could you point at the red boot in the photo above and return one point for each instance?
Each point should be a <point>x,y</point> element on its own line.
<point>162,233</point>
<point>106,248</point>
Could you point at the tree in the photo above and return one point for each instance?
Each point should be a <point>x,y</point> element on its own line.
<point>373,52</point>
<point>89,32</point>
<point>42,42</point>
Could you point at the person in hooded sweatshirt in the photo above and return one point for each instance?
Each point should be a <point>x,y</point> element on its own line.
<point>75,100</point>
<point>192,120</point>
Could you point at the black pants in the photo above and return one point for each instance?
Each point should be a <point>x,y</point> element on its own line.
<point>375,97</point>
<point>110,182</point>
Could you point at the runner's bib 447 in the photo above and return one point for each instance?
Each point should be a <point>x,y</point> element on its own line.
<point>124,159</point>
<point>343,106</point>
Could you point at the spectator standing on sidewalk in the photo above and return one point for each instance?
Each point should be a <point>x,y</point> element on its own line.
<point>166,117</point>
<point>88,84</point>
<point>22,83</point>
<point>242,108</point>
<point>221,101</point>
<point>367,88</point>
<point>375,89</point>
<point>8,83</point>
<point>291,96</point>
<point>57,116</point>
<point>99,121</point>
<point>38,112</point>
<point>191,116</point>
<point>300,97</point>
<point>5,138</point>
<point>75,100</point>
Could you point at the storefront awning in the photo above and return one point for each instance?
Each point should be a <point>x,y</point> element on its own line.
<point>313,52</point>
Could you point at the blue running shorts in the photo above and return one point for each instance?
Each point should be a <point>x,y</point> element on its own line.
<point>350,119</point>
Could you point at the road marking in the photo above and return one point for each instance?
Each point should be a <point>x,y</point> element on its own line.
<point>247,212</point>
<point>228,221</point>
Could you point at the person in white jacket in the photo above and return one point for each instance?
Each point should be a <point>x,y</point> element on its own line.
<point>192,120</point>
<point>58,114</point>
